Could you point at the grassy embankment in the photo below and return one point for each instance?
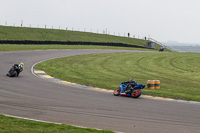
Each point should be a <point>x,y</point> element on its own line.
<point>179,73</point>
<point>15,125</point>
<point>36,34</point>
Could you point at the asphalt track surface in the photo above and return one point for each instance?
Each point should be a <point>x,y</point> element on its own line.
<point>35,98</point>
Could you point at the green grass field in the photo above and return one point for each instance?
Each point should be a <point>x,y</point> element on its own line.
<point>179,73</point>
<point>15,125</point>
<point>37,34</point>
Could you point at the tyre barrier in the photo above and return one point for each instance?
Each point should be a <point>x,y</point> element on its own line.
<point>153,84</point>
<point>157,84</point>
<point>31,42</point>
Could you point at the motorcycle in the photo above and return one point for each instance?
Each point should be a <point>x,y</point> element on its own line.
<point>130,90</point>
<point>14,71</point>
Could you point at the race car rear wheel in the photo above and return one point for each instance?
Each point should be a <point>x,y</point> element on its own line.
<point>136,93</point>
<point>116,92</point>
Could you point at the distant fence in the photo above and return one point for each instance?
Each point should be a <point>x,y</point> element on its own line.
<point>30,42</point>
<point>153,40</point>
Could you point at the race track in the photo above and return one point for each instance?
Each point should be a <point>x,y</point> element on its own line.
<point>32,97</point>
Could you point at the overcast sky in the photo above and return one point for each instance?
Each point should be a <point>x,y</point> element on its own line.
<point>163,20</point>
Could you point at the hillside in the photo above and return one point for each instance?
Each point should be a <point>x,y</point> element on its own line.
<point>37,34</point>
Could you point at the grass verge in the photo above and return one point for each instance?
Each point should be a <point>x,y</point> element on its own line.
<point>38,34</point>
<point>179,73</point>
<point>15,125</point>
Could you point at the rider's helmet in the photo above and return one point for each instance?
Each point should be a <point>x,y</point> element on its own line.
<point>21,64</point>
<point>132,80</point>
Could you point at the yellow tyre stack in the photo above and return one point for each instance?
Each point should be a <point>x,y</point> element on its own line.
<point>157,84</point>
<point>153,84</point>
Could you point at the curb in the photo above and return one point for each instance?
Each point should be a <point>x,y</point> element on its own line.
<point>42,74</point>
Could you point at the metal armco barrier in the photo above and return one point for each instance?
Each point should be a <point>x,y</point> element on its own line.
<point>31,42</point>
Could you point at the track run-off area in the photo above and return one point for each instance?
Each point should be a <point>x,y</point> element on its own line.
<point>31,97</point>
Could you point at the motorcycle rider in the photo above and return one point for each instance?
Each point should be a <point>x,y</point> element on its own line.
<point>131,83</point>
<point>18,68</point>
